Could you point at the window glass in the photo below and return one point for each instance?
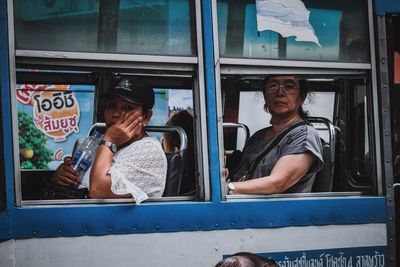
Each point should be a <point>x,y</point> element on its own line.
<point>343,101</point>
<point>158,27</point>
<point>56,25</point>
<point>396,52</point>
<point>335,31</point>
<point>356,154</point>
<point>359,147</point>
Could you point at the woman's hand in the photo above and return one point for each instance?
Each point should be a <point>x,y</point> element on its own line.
<point>129,127</point>
<point>226,171</point>
<point>65,174</point>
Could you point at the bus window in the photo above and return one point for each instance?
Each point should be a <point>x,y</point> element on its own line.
<point>342,101</point>
<point>56,108</point>
<point>337,31</point>
<point>155,27</point>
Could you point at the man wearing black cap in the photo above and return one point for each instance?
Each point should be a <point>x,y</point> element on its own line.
<point>128,163</point>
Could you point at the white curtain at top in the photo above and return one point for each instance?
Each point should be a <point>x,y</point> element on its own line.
<point>287,17</point>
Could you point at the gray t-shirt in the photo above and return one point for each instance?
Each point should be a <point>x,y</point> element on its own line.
<point>299,140</point>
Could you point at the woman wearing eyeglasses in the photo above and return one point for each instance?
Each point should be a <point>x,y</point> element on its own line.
<point>284,157</point>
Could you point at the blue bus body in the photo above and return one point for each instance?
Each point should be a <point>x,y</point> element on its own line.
<point>319,229</point>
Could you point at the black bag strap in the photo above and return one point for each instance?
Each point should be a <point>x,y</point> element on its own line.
<point>270,146</point>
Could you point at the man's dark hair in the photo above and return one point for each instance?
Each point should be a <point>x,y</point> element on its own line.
<point>246,259</point>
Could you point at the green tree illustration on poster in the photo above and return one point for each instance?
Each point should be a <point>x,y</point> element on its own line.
<point>33,152</point>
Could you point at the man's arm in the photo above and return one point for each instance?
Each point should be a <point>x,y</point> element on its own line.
<point>120,133</point>
<point>287,171</point>
<point>65,174</point>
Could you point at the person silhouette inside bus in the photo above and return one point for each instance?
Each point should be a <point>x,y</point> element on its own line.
<point>290,166</point>
<point>246,259</point>
<point>128,163</point>
<point>172,142</point>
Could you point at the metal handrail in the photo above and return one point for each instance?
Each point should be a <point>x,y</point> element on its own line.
<point>151,128</point>
<point>237,125</point>
<point>332,133</point>
<point>164,129</point>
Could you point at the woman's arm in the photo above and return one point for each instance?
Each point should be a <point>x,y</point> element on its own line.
<point>287,171</point>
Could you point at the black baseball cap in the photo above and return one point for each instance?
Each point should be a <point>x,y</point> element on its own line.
<point>135,91</point>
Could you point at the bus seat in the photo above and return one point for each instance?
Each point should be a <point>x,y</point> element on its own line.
<point>174,175</point>
<point>175,161</point>
<point>324,178</point>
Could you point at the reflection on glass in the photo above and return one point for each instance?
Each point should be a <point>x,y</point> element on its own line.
<point>161,26</point>
<point>341,30</point>
<point>56,25</point>
<point>158,27</point>
<point>258,43</point>
<point>326,24</point>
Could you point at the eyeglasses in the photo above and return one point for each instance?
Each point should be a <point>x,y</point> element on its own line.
<point>287,87</point>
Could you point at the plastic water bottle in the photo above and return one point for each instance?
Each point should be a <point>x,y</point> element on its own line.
<point>85,154</point>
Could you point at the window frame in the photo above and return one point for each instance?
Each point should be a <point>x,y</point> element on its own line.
<point>245,66</point>
<point>107,25</point>
<point>133,63</point>
<point>93,78</point>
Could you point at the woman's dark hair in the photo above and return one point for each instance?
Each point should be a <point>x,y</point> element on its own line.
<point>182,119</point>
<point>172,140</point>
<point>303,93</point>
<point>246,259</point>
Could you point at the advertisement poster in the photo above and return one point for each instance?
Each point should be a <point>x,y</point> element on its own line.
<point>50,119</point>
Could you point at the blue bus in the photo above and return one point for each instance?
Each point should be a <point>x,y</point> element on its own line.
<point>210,57</point>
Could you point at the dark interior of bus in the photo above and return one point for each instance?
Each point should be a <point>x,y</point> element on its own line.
<point>2,174</point>
<point>393,35</point>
